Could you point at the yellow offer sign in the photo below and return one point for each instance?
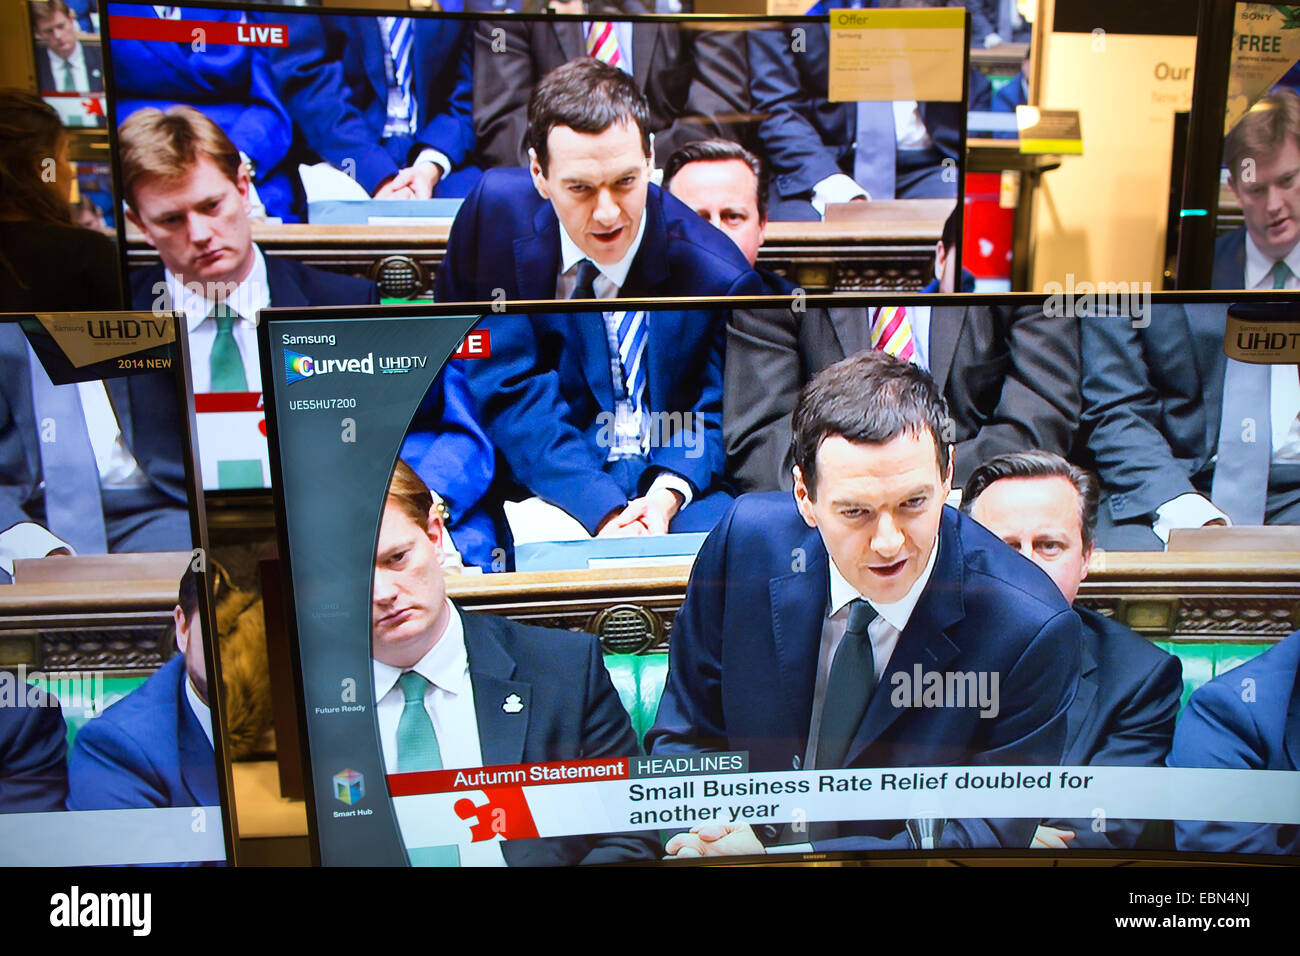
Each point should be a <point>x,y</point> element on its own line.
<point>897,54</point>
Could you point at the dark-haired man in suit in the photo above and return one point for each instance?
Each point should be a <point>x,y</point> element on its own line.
<point>804,618</point>
<point>584,221</point>
<point>1124,711</point>
<point>153,748</point>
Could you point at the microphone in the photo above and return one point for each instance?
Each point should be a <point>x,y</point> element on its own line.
<point>925,833</point>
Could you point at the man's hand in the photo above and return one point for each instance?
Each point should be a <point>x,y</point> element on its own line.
<point>715,839</point>
<point>1051,838</point>
<point>653,512</point>
<point>413,182</point>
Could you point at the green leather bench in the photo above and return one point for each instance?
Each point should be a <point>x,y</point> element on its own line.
<point>639,678</point>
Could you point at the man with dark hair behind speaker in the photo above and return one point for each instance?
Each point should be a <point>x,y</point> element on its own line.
<point>1129,689</point>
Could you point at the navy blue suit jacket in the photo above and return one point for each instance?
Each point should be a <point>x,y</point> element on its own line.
<point>146,411</point>
<point>289,283</point>
<point>1152,402</point>
<point>1230,260</point>
<point>331,78</point>
<point>33,751</point>
<point>1219,729</point>
<point>743,663</point>
<point>806,137</point>
<point>1122,716</point>
<point>232,85</point>
<point>507,237</point>
<point>542,395</point>
<point>572,713</point>
<point>147,750</point>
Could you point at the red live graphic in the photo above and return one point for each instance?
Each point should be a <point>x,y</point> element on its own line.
<point>475,345</point>
<point>213,32</point>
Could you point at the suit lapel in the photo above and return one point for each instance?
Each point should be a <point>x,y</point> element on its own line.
<point>945,328</point>
<point>923,642</point>
<point>593,353</point>
<point>798,610</point>
<point>373,44</point>
<point>1080,715</point>
<point>197,760</point>
<point>650,265</point>
<point>851,328</point>
<point>645,36</point>
<point>1229,270</point>
<point>537,256</point>
<point>502,720</point>
<point>282,285</point>
<point>571,39</point>
<point>1207,321</point>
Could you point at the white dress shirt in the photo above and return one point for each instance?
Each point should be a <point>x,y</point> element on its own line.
<point>250,295</point>
<point>883,632</point>
<point>606,286</point>
<point>201,711</point>
<point>1192,510</point>
<point>449,701</point>
<point>909,132</point>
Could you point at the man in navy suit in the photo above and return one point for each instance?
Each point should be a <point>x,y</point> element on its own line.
<point>1124,711</point>
<point>441,677</point>
<point>142,491</point>
<point>805,618</point>
<point>1262,155</point>
<point>586,202</point>
<point>1154,424</point>
<point>229,83</point>
<point>386,98</point>
<point>153,748</point>
<point>817,151</point>
<point>1246,719</point>
<point>33,750</point>
<point>67,66</point>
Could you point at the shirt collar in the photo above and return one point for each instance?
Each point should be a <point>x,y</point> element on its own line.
<point>445,666</point>
<point>898,613</point>
<point>74,57</point>
<point>202,712</point>
<point>250,295</point>
<point>1259,267</point>
<point>616,272</point>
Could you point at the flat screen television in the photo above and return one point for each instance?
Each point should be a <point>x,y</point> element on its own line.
<point>363,134</point>
<point>455,718</point>
<point>111,743</point>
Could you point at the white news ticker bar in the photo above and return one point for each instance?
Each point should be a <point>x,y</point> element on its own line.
<point>112,837</point>
<point>1134,793</point>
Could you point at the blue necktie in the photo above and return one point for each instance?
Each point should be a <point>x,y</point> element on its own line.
<point>633,331</point>
<point>73,508</point>
<point>399,47</point>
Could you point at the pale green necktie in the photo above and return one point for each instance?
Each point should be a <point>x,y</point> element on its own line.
<point>417,749</point>
<point>225,366</point>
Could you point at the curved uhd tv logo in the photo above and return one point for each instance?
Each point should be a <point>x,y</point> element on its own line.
<point>298,366</point>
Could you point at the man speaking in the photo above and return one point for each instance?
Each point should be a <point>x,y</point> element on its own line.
<point>583,221</point>
<point>804,617</point>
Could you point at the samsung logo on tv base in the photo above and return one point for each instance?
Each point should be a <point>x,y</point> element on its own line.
<point>75,909</point>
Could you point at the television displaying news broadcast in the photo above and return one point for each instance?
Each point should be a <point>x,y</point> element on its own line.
<point>69,60</point>
<point>871,602</point>
<point>110,739</point>
<point>477,159</point>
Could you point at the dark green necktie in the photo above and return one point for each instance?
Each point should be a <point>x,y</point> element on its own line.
<point>1281,273</point>
<point>417,749</point>
<point>225,366</point>
<point>69,78</point>
<point>849,689</point>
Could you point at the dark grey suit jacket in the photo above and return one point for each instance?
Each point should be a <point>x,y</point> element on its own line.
<point>1152,401</point>
<point>695,82</point>
<point>1011,378</point>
